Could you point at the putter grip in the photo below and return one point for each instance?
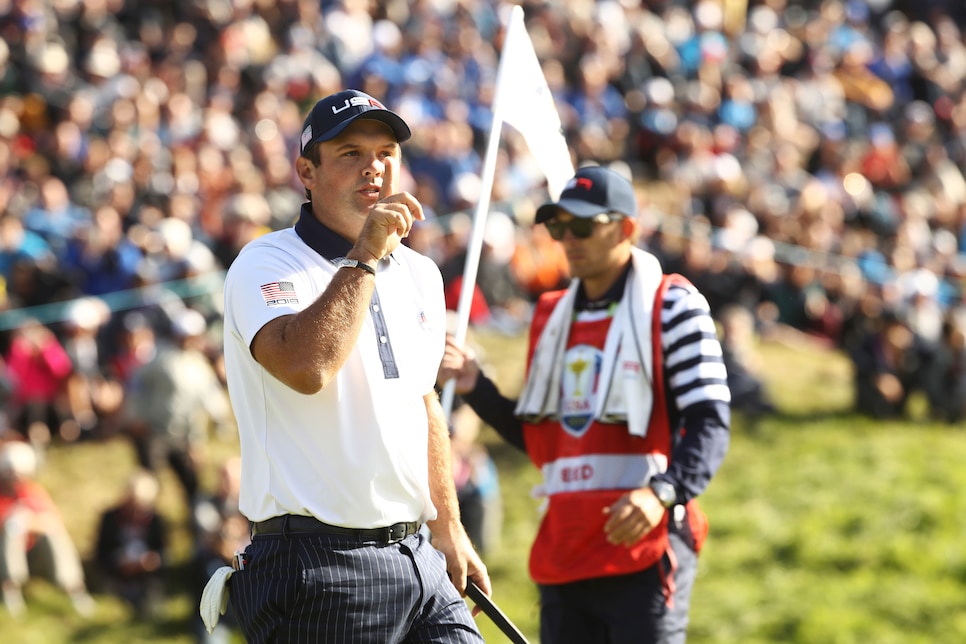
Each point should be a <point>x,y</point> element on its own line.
<point>494,613</point>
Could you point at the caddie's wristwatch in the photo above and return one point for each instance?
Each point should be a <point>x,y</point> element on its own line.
<point>664,492</point>
<point>354,263</point>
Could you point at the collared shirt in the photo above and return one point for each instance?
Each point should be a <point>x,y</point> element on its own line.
<point>355,453</point>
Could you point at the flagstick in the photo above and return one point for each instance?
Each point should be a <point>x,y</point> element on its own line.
<point>475,244</point>
<point>519,76</point>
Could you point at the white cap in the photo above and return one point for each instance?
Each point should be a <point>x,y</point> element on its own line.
<point>87,313</point>
<point>188,322</point>
<point>18,458</point>
<point>143,488</point>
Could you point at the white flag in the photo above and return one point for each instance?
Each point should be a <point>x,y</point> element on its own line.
<point>523,99</point>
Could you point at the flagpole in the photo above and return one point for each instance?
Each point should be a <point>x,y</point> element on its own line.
<point>529,108</point>
<point>474,246</point>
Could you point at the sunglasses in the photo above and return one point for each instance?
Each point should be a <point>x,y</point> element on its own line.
<point>579,227</point>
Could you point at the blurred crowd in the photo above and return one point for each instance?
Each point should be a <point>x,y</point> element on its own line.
<point>801,161</point>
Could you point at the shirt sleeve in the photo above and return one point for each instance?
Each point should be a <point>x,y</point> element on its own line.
<point>496,410</point>
<point>697,389</point>
<point>262,284</point>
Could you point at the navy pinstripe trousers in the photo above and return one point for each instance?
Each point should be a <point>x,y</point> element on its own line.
<point>315,588</point>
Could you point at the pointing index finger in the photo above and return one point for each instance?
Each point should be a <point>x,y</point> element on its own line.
<point>388,186</point>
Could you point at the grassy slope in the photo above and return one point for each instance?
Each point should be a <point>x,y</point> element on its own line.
<point>825,527</point>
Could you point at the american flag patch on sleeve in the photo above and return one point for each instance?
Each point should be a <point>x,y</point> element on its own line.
<point>277,293</point>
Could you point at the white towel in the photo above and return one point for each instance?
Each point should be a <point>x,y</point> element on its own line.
<point>214,598</point>
<point>627,371</point>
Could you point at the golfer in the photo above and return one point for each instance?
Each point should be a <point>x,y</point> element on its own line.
<point>334,331</point>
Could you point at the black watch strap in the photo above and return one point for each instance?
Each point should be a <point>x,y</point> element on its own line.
<point>355,263</point>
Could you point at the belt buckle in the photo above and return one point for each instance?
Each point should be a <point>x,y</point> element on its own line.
<point>395,532</point>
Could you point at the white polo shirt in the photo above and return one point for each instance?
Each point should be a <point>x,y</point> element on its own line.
<point>355,453</point>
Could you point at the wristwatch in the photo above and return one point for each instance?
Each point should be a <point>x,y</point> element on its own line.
<point>664,492</point>
<point>354,263</point>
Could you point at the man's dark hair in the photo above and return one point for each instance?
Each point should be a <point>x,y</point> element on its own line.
<point>313,154</point>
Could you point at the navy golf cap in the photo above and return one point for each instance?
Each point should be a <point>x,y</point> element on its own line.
<point>592,191</point>
<point>333,114</point>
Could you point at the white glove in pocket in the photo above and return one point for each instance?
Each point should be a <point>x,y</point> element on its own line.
<point>214,598</point>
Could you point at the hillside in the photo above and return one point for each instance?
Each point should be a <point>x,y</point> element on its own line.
<point>825,527</point>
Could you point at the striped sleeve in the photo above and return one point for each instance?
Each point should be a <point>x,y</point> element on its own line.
<point>697,391</point>
<point>694,368</point>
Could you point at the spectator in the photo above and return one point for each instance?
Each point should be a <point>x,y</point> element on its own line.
<point>35,282</point>
<point>888,366</point>
<point>945,374</point>
<point>172,401</point>
<point>55,218</point>
<point>131,121</point>
<point>131,547</point>
<point>134,341</point>
<point>39,368</point>
<point>18,243</point>
<point>6,387</point>
<point>98,257</point>
<point>599,108</point>
<point>93,397</point>
<point>33,536</point>
<point>245,217</point>
<point>509,308</point>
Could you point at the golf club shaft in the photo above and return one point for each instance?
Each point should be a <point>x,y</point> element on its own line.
<point>494,613</point>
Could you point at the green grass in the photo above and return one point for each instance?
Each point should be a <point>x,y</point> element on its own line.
<point>825,527</point>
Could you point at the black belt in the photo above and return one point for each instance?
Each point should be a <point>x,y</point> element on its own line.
<point>298,524</point>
